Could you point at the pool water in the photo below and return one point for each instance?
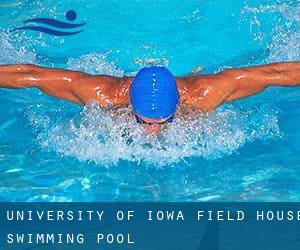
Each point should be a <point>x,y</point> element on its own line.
<point>248,150</point>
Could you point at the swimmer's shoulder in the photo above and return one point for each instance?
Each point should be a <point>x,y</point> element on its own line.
<point>190,86</point>
<point>106,90</point>
<point>205,92</point>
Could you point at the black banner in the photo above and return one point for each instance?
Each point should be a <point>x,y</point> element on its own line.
<point>205,226</point>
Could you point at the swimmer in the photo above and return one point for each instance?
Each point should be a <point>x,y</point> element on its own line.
<point>154,93</point>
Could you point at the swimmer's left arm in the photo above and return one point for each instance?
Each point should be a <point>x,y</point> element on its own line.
<point>54,82</point>
<point>74,86</point>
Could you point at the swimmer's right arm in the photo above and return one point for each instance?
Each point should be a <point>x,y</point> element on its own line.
<point>207,92</point>
<point>252,80</point>
<point>74,86</point>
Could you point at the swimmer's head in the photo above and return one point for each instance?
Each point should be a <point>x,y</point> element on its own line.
<point>154,95</point>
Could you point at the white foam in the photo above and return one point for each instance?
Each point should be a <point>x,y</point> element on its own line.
<point>106,136</point>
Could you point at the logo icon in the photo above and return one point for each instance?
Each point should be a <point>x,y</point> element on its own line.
<point>57,28</point>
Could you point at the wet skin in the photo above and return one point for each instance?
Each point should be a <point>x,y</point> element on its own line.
<point>203,92</point>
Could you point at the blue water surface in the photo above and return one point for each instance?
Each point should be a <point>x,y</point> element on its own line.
<point>248,150</point>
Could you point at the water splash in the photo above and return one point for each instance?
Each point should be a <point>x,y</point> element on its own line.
<point>95,63</point>
<point>264,8</point>
<point>285,35</point>
<point>285,45</point>
<point>12,51</point>
<point>106,136</point>
<point>195,16</point>
<point>143,62</point>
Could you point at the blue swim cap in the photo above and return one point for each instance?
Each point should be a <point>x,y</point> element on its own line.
<point>154,93</point>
